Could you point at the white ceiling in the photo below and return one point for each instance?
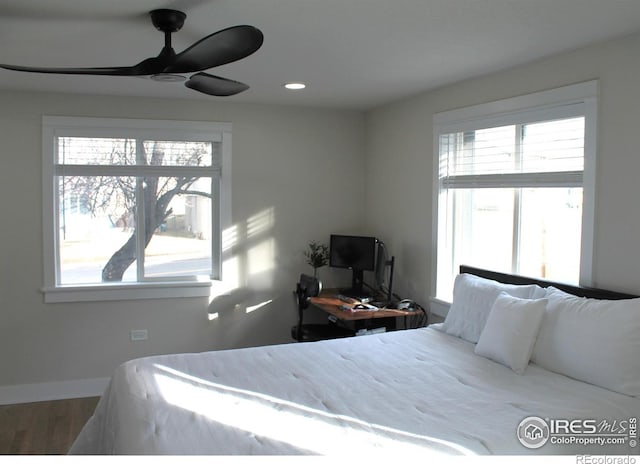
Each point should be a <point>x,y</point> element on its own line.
<point>354,54</point>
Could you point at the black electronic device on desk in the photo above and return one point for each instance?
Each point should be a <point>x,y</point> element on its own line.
<point>384,262</point>
<point>357,253</point>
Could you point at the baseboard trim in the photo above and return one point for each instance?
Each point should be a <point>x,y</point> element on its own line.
<point>48,391</point>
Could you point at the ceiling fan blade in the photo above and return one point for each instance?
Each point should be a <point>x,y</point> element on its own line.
<point>117,71</point>
<point>154,65</point>
<point>214,85</point>
<point>222,47</point>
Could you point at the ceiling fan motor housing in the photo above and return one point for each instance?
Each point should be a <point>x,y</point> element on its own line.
<point>166,20</point>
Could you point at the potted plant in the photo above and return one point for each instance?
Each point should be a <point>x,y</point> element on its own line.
<point>317,255</point>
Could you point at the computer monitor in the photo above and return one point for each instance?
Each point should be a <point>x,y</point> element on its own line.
<point>353,252</point>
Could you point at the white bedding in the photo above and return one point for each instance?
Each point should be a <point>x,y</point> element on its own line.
<point>399,392</point>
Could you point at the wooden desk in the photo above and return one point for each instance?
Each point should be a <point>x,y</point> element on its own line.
<point>333,305</point>
<point>328,302</point>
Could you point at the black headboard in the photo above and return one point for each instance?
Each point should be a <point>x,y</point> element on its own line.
<point>520,280</point>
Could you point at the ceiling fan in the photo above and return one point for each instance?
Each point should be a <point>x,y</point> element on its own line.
<point>222,47</point>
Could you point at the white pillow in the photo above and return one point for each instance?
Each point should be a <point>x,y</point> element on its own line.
<point>473,298</point>
<point>596,341</point>
<point>510,332</point>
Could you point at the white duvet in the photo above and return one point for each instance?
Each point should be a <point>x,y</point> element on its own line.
<point>414,391</point>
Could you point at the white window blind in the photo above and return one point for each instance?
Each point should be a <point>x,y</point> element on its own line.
<point>547,153</point>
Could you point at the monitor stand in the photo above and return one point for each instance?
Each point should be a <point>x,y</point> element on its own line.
<point>357,290</point>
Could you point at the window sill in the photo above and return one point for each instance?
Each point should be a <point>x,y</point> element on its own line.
<point>127,291</point>
<point>439,307</point>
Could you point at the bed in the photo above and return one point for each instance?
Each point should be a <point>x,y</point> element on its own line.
<point>433,390</point>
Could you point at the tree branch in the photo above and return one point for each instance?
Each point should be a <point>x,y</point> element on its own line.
<point>195,192</point>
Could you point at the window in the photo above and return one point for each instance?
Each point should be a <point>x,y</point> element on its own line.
<point>136,209</point>
<point>514,187</point>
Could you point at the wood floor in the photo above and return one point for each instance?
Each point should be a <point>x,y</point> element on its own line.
<point>49,427</point>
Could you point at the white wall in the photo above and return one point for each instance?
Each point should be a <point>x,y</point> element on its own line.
<point>298,171</point>
<point>400,161</point>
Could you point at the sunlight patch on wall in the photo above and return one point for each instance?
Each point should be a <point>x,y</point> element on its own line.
<point>229,238</point>
<point>230,279</point>
<point>261,257</point>
<point>248,250</point>
<point>231,273</point>
<point>260,223</point>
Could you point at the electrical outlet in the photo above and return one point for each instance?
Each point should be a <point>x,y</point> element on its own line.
<point>139,335</point>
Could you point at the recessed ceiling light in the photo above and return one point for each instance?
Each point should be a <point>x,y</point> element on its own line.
<point>294,85</point>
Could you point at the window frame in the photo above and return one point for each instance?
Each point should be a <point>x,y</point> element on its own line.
<point>570,100</point>
<point>59,126</point>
